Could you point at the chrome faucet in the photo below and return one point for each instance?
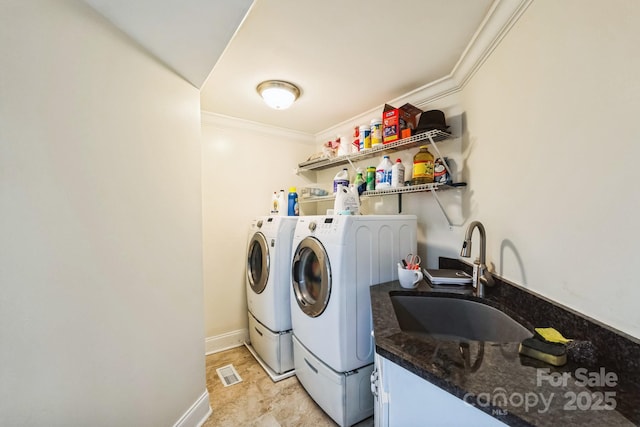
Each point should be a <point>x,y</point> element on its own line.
<point>481,275</point>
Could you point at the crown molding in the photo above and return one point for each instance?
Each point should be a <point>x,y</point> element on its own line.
<point>502,15</point>
<point>496,25</point>
<point>229,122</point>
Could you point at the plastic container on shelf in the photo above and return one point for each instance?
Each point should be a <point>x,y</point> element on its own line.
<point>346,201</point>
<point>274,204</point>
<point>359,182</point>
<point>307,192</point>
<point>293,208</point>
<point>365,137</point>
<point>397,174</point>
<point>353,202</point>
<point>371,178</point>
<point>341,178</point>
<point>376,133</point>
<point>440,172</point>
<point>383,173</point>
<point>282,202</point>
<point>423,165</point>
<point>344,147</point>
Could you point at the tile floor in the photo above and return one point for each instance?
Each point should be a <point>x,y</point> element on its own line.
<point>258,401</point>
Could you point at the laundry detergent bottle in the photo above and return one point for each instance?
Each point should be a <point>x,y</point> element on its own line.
<point>397,174</point>
<point>292,204</point>
<point>359,183</point>
<point>383,173</point>
<point>347,201</point>
<point>341,178</point>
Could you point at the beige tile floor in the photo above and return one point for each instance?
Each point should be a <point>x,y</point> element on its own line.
<point>258,401</point>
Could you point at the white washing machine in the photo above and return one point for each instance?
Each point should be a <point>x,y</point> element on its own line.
<point>335,260</point>
<point>268,285</point>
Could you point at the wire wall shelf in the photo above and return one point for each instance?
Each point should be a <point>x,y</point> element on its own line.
<point>387,191</point>
<point>402,144</point>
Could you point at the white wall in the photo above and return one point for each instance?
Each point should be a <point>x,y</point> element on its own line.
<point>101,317</point>
<point>548,146</point>
<point>545,138</point>
<point>552,146</point>
<point>242,165</point>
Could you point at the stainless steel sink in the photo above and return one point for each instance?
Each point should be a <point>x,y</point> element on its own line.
<point>455,319</point>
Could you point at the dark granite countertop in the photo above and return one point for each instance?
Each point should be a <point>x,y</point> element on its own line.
<point>515,389</point>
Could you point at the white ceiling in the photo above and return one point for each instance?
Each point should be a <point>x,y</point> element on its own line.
<point>187,35</point>
<point>347,57</point>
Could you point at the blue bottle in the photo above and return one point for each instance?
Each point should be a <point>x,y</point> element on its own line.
<point>293,203</point>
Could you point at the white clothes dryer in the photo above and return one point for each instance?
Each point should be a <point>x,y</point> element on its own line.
<point>268,283</point>
<point>335,260</point>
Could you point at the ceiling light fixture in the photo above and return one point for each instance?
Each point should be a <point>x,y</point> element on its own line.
<point>278,94</point>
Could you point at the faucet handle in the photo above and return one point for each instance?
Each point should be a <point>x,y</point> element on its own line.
<point>476,272</point>
<point>486,279</point>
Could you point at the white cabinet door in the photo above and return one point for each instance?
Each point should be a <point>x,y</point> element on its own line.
<point>378,388</point>
<point>413,401</point>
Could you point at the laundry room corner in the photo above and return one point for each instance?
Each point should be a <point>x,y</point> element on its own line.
<point>237,187</point>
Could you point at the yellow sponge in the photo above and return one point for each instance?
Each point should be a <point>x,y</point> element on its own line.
<point>549,352</point>
<point>552,335</point>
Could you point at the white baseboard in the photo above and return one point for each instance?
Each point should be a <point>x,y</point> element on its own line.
<point>197,414</point>
<point>226,341</point>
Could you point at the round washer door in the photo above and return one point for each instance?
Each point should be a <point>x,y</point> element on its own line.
<point>311,277</point>
<point>258,263</point>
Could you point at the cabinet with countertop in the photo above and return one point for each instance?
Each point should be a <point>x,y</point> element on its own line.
<point>404,399</point>
<point>492,377</point>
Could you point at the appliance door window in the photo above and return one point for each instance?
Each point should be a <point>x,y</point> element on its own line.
<point>311,277</point>
<point>258,263</point>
